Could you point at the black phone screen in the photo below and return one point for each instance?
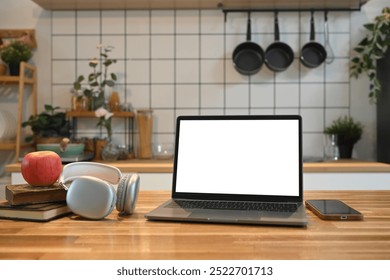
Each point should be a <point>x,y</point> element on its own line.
<point>328,207</point>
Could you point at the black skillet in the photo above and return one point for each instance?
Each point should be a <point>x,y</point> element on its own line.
<point>248,57</point>
<point>278,55</point>
<point>313,54</point>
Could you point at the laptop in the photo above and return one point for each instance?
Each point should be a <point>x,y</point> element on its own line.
<point>236,169</point>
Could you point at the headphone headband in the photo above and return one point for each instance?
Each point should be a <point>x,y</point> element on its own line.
<point>105,172</point>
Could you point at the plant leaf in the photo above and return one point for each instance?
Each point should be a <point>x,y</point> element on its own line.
<point>76,85</point>
<point>355,59</point>
<point>369,26</point>
<point>359,49</point>
<point>110,83</point>
<point>363,42</point>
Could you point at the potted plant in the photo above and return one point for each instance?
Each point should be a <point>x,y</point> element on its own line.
<point>50,126</point>
<point>98,80</point>
<point>348,133</point>
<point>372,48</point>
<point>13,53</point>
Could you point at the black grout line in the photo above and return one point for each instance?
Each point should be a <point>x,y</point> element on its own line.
<point>51,56</point>
<point>199,61</point>
<point>174,69</point>
<point>150,55</point>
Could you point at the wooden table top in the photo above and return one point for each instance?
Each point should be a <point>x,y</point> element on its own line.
<point>134,237</point>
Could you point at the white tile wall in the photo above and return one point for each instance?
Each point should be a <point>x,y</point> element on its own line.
<point>64,23</point>
<point>179,62</point>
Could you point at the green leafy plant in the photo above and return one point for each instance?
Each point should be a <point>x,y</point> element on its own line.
<point>347,130</point>
<point>15,52</point>
<point>49,123</point>
<point>372,48</point>
<point>98,79</point>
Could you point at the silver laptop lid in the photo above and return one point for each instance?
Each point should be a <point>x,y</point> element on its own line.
<point>254,158</point>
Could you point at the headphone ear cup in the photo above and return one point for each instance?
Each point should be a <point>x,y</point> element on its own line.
<point>91,197</point>
<point>127,194</point>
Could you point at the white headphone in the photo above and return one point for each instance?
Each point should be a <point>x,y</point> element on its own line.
<point>92,194</point>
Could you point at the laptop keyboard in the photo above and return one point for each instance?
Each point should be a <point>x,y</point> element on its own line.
<point>233,205</point>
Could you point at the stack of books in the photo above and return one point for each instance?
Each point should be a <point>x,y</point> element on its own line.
<point>24,202</point>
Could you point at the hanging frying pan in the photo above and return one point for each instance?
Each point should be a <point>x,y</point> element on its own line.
<point>278,55</point>
<point>313,54</point>
<point>248,57</point>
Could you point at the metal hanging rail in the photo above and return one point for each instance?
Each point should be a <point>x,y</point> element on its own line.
<point>226,11</point>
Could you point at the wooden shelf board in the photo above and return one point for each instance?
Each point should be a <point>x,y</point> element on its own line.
<point>7,145</point>
<point>200,4</point>
<point>15,80</point>
<point>91,114</point>
<point>11,145</point>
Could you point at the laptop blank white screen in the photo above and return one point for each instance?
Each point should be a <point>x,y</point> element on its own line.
<point>245,156</point>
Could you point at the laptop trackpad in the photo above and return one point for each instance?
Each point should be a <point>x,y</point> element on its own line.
<point>224,215</point>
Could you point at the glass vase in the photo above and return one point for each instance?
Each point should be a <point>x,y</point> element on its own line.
<point>97,101</point>
<point>331,149</point>
<point>110,152</point>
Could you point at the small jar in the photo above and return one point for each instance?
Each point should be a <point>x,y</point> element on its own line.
<point>123,152</point>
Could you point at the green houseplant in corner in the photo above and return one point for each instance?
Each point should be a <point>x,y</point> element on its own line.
<point>50,126</point>
<point>373,58</point>
<point>372,48</point>
<point>13,53</point>
<point>348,132</point>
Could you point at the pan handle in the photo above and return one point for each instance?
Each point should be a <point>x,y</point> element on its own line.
<point>249,29</point>
<point>328,47</point>
<point>276,26</point>
<point>312,36</point>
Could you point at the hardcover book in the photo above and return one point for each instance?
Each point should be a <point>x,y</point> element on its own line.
<point>33,212</point>
<point>26,194</point>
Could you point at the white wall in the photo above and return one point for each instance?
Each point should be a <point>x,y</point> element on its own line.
<point>213,87</point>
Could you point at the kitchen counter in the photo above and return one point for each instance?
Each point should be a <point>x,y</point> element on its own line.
<point>133,237</point>
<point>126,166</point>
<point>166,166</point>
<point>349,166</point>
<point>335,175</point>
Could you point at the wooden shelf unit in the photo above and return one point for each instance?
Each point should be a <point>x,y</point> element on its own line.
<point>21,81</point>
<point>127,116</point>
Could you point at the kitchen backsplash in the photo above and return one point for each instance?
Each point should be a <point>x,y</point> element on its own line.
<point>179,62</point>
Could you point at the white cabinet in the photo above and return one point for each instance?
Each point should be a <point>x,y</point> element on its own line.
<point>311,181</point>
<point>347,181</point>
<point>149,181</point>
<point>155,181</point>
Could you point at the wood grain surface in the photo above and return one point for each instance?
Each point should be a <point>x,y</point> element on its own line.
<point>134,237</point>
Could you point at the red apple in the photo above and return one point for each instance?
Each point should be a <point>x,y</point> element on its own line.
<point>41,168</point>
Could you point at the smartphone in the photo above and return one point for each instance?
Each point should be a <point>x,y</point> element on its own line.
<point>331,209</point>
